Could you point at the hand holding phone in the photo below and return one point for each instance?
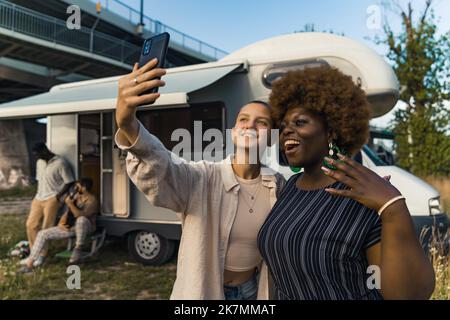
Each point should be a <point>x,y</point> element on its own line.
<point>132,88</point>
<point>141,85</point>
<point>154,47</point>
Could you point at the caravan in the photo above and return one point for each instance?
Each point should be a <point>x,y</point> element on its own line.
<point>81,127</point>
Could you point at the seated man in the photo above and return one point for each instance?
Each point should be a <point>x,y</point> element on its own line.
<point>78,220</point>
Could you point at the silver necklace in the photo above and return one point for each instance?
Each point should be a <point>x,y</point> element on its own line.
<point>252,197</point>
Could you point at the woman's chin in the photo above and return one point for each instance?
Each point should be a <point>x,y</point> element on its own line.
<point>295,160</point>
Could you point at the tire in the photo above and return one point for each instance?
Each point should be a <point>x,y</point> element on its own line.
<point>150,248</point>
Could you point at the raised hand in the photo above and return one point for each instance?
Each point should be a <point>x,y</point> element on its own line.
<point>366,186</point>
<point>131,87</point>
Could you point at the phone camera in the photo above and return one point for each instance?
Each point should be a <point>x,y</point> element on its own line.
<point>147,47</point>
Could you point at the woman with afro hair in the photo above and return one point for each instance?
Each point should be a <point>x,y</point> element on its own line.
<point>338,230</point>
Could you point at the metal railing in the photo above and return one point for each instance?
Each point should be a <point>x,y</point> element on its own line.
<point>31,23</point>
<point>154,26</point>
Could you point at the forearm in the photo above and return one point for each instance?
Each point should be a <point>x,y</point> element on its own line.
<point>75,211</point>
<point>158,173</point>
<point>129,132</point>
<point>406,272</point>
<point>133,93</point>
<point>163,184</point>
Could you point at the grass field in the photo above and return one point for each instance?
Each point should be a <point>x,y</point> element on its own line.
<point>111,275</point>
<point>441,262</point>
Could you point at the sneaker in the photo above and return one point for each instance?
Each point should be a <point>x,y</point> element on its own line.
<point>76,256</point>
<point>23,262</point>
<point>21,250</point>
<point>39,261</point>
<point>25,269</point>
<point>15,253</point>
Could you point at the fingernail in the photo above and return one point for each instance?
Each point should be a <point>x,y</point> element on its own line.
<point>325,169</point>
<point>340,156</point>
<point>155,59</point>
<point>329,160</point>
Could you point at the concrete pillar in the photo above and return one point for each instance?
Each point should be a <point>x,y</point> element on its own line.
<point>14,157</point>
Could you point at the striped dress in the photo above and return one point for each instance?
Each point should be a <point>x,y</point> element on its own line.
<point>315,245</point>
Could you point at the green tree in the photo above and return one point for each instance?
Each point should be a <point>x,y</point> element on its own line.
<point>421,58</point>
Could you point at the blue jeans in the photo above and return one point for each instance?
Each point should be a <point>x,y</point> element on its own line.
<point>245,291</point>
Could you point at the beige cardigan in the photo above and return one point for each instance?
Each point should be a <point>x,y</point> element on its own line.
<point>205,195</point>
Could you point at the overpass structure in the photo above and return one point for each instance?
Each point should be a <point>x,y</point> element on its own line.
<point>38,50</point>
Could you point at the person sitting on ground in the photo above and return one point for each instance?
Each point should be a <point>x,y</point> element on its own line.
<point>78,220</point>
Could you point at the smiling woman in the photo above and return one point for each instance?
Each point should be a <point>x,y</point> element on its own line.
<point>331,97</point>
<point>226,204</point>
<point>323,237</point>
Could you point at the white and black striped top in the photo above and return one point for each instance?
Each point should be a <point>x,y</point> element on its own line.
<point>315,245</point>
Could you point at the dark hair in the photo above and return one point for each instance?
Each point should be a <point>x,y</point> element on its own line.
<point>87,183</point>
<point>329,93</point>
<point>40,147</point>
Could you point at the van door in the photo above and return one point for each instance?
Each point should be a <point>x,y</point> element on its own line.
<point>102,162</point>
<point>89,149</point>
<point>115,183</point>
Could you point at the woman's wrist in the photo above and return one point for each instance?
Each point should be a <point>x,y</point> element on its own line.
<point>385,195</point>
<point>389,203</point>
<point>130,130</point>
<point>395,210</point>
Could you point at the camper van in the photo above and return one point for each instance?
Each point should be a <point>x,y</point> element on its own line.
<point>81,127</point>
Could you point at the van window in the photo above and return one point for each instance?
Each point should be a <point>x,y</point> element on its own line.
<point>373,156</point>
<point>277,71</point>
<point>162,123</point>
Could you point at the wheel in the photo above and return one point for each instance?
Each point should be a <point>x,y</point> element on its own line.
<point>150,248</point>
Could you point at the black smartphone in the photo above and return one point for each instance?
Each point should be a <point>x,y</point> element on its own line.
<point>154,47</point>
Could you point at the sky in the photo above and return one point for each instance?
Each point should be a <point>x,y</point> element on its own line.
<point>233,24</point>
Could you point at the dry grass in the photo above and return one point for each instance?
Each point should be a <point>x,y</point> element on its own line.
<point>442,184</point>
<point>440,257</point>
<point>441,265</point>
<point>439,254</point>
